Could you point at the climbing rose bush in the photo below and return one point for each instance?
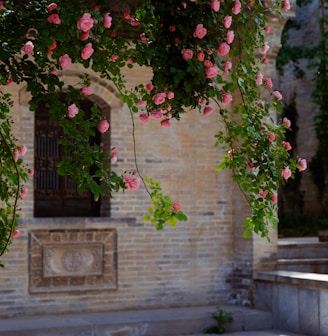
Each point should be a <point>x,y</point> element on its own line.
<point>202,54</point>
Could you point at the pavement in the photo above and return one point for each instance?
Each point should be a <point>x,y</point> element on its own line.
<point>257,333</point>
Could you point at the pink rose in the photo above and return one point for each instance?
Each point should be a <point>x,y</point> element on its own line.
<point>223,49</point>
<point>265,60</point>
<point>16,233</point>
<point>65,61</point>
<point>170,95</point>
<point>302,165</point>
<point>134,22</point>
<point>227,21</point>
<point>72,110</point>
<point>208,64</point>
<point>286,173</point>
<point>85,23</point>
<point>51,7</point>
<point>286,122</point>
<point>172,28</point>
<point>31,172</point>
<point>187,54</point>
<point>149,87</point>
<point>212,72</point>
<point>200,56</point>
<point>1,5</point>
<point>274,198</point>
<point>132,182</point>
<point>207,110</point>
<point>227,98</point>
<point>215,5</point>
<point>87,91</point>
<point>16,154</point>
<point>230,36</point>
<point>144,118</point>
<point>236,7</point>
<point>107,20</point>
<point>176,207</point>
<point>103,126</point>
<point>157,114</point>
<point>24,192</point>
<point>227,66</point>
<point>259,79</point>
<point>269,83</point>
<point>159,98</point>
<point>277,94</point>
<point>165,123</point>
<point>113,155</point>
<point>84,36</point>
<point>263,193</point>
<point>54,19</point>
<point>22,150</point>
<point>271,137</point>
<point>286,6</point>
<point>265,48</point>
<point>27,48</point>
<point>267,29</point>
<point>114,58</point>
<point>140,103</point>
<point>87,51</point>
<point>287,145</point>
<point>200,31</point>
<point>9,81</point>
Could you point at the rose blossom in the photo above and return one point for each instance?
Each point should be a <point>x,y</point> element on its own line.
<point>157,114</point>
<point>132,182</point>
<point>170,95</point>
<point>287,145</point>
<point>215,5</point>
<point>277,94</point>
<point>286,6</point>
<point>165,123</point>
<point>208,64</point>
<point>286,122</point>
<point>87,51</point>
<point>267,29</point>
<point>22,150</point>
<point>176,207</point>
<point>52,7</point>
<point>302,165</point>
<point>84,36</point>
<point>72,110</point>
<point>31,172</point>
<point>16,233</point>
<point>265,48</point>
<point>227,98</point>
<point>227,21</point>
<point>230,36</point>
<point>65,61</point>
<point>85,23</point>
<point>227,66</point>
<point>259,79</point>
<point>271,137</point>
<point>263,193</point>
<point>107,20</point>
<point>87,91</point>
<point>149,87</point>
<point>212,72</point>
<point>144,118</point>
<point>236,7</point>
<point>200,56</point>
<point>286,173</point>
<point>187,54</point>
<point>269,83</point>
<point>159,98</point>
<point>103,126</point>
<point>207,110</point>
<point>274,198</point>
<point>223,49</point>
<point>24,192</point>
<point>54,19</point>
<point>172,28</point>
<point>113,155</point>
<point>27,48</point>
<point>200,31</point>
<point>1,5</point>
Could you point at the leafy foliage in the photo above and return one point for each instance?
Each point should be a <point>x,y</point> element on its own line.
<point>201,55</point>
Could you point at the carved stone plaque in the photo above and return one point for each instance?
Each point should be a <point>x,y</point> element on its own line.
<point>66,260</point>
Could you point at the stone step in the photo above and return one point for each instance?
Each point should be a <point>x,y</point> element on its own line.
<point>309,265</point>
<point>302,248</point>
<point>156,322</point>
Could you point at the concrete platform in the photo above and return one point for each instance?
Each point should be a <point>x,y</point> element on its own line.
<point>256,333</point>
<point>156,322</point>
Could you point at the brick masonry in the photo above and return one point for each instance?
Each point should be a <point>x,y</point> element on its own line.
<point>204,261</point>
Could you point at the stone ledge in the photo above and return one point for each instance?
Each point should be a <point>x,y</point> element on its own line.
<point>293,278</point>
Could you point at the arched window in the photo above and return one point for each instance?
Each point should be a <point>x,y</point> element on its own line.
<point>54,195</point>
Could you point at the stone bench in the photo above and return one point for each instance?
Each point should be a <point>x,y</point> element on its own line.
<point>298,300</point>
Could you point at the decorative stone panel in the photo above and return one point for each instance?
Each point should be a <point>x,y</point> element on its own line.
<point>72,260</point>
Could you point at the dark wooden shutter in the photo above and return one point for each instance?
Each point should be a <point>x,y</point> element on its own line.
<point>54,195</point>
